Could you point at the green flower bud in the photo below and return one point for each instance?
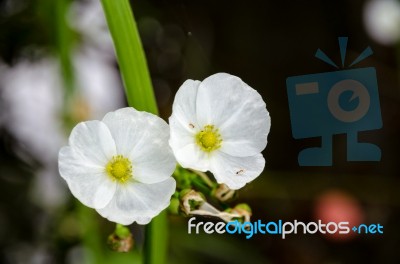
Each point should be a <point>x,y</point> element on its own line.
<point>243,211</point>
<point>174,206</point>
<point>121,240</point>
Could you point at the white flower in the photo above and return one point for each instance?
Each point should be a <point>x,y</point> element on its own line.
<point>220,125</point>
<point>121,166</point>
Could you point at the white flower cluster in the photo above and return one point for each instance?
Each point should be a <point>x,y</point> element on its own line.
<point>122,165</point>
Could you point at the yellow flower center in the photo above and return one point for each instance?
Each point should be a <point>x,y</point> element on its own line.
<point>119,169</point>
<point>209,139</point>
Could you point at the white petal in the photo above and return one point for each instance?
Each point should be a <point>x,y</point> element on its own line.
<point>126,128</point>
<point>235,172</point>
<point>93,141</point>
<point>143,138</point>
<point>87,181</point>
<point>237,110</point>
<point>191,156</point>
<point>180,136</point>
<point>153,160</point>
<point>246,132</point>
<point>217,97</point>
<point>183,123</point>
<point>184,127</point>
<point>184,107</point>
<point>138,202</point>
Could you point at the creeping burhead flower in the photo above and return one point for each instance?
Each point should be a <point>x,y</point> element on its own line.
<point>220,125</point>
<point>120,166</point>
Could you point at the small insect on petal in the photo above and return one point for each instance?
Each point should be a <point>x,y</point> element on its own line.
<point>240,172</point>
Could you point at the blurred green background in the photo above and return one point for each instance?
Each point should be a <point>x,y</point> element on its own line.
<point>57,67</point>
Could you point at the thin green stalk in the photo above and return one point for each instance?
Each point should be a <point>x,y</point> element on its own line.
<point>156,243</point>
<point>91,237</point>
<point>130,55</point>
<point>204,177</point>
<point>139,92</point>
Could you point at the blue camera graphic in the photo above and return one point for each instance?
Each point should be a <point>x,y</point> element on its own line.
<point>338,102</point>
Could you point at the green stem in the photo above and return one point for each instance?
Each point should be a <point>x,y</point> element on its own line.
<point>91,236</point>
<point>139,92</point>
<point>130,55</point>
<point>199,184</point>
<point>156,243</point>
<point>204,177</point>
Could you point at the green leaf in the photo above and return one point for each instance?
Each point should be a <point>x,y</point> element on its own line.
<point>130,55</point>
<point>140,95</point>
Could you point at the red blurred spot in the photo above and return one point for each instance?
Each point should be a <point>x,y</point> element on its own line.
<point>338,206</point>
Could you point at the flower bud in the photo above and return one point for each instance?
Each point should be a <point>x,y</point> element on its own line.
<point>191,200</point>
<point>243,211</point>
<point>174,206</point>
<point>223,193</point>
<point>121,240</point>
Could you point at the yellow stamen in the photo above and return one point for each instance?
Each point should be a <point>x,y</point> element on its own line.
<point>119,169</point>
<point>209,139</point>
